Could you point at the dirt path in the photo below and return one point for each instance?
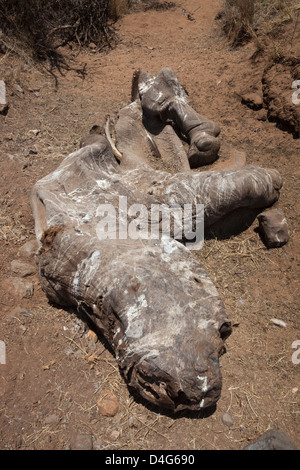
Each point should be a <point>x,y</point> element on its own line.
<point>54,369</point>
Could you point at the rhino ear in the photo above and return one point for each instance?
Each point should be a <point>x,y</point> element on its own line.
<point>91,139</point>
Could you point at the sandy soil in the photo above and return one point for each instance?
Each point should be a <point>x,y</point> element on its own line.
<point>55,370</point>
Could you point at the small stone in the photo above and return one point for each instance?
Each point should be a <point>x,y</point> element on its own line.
<point>227,420</point>
<point>29,249</point>
<point>277,322</point>
<point>108,404</point>
<point>273,227</point>
<point>33,132</point>
<point>253,100</point>
<point>92,336</point>
<point>3,102</point>
<point>81,442</point>
<point>21,268</point>
<point>22,288</point>
<point>272,440</point>
<point>18,88</point>
<point>114,435</point>
<point>52,419</point>
<point>262,115</point>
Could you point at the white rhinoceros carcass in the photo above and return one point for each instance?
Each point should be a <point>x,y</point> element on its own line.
<point>150,297</point>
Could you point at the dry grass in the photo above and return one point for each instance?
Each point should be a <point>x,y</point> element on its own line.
<point>37,29</point>
<point>239,17</point>
<point>118,8</point>
<point>247,19</point>
<point>40,28</point>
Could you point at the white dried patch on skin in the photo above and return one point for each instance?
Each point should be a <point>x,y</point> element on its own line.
<point>204,381</point>
<point>145,86</point>
<point>86,270</point>
<point>135,325</point>
<point>169,245</point>
<point>103,184</point>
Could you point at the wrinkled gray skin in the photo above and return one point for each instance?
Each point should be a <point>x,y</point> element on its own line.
<point>151,299</point>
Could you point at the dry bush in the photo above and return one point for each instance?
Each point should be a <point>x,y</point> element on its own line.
<point>246,19</point>
<point>270,14</point>
<point>238,20</point>
<point>41,26</point>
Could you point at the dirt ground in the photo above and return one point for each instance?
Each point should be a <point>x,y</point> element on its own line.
<point>55,370</point>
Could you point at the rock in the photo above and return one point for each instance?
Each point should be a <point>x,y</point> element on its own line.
<point>253,100</point>
<point>114,435</point>
<point>29,249</point>
<point>262,115</point>
<point>22,288</point>
<point>273,227</point>
<point>18,88</point>
<point>227,420</point>
<point>272,440</point>
<point>52,419</point>
<point>81,442</point>
<point>21,268</point>
<point>108,403</point>
<point>92,336</point>
<point>33,132</point>
<point>3,103</point>
<point>277,322</point>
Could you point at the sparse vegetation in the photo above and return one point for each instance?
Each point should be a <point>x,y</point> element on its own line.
<point>246,19</point>
<point>238,20</point>
<point>41,26</point>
